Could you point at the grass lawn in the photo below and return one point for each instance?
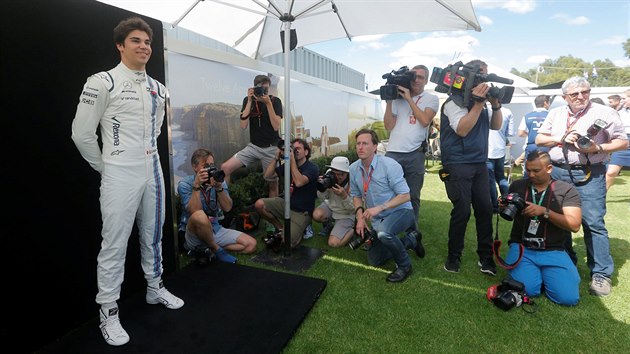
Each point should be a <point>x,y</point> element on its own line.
<point>434,311</point>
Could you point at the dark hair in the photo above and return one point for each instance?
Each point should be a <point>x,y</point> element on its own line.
<point>368,131</point>
<point>614,97</point>
<point>261,79</point>
<point>478,62</point>
<point>122,30</point>
<point>200,155</point>
<point>540,100</point>
<point>305,144</point>
<point>538,154</point>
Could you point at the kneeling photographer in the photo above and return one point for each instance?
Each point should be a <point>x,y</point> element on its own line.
<point>545,212</point>
<point>336,211</point>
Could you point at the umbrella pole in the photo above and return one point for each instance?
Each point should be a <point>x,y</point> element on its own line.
<point>287,138</point>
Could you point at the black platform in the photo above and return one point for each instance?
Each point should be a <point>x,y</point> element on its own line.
<point>228,309</point>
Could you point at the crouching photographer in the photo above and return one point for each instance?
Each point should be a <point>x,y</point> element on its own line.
<point>336,211</point>
<point>545,212</point>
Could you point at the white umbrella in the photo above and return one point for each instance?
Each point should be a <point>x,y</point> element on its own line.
<point>253,26</point>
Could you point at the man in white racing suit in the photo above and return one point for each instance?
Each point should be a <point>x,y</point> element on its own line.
<point>128,105</point>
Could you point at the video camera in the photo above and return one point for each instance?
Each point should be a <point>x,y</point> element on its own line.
<point>515,204</point>
<point>214,172</point>
<point>461,79</point>
<point>401,77</point>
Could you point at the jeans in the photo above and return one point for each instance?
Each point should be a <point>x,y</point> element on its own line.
<point>468,183</point>
<point>552,268</point>
<point>389,245</point>
<point>496,174</point>
<point>593,199</point>
<point>413,170</point>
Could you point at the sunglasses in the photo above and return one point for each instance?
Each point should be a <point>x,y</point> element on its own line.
<point>575,94</point>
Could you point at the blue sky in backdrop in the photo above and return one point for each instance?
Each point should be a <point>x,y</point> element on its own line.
<point>515,34</point>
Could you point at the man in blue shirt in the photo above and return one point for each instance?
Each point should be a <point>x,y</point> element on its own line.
<point>381,196</point>
<point>531,122</point>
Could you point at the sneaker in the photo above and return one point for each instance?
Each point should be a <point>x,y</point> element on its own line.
<point>308,232</point>
<point>112,331</point>
<point>600,285</point>
<point>452,264</point>
<point>487,266</point>
<point>326,228</point>
<point>164,297</point>
<point>223,256</point>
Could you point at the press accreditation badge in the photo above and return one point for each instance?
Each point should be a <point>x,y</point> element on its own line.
<point>412,119</point>
<point>533,227</point>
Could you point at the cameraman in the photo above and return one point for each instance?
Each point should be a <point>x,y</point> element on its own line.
<point>337,204</point>
<point>408,120</point>
<point>464,144</point>
<point>551,213</point>
<point>262,112</point>
<point>204,199</point>
<point>302,191</point>
<point>585,168</point>
<point>381,196</point>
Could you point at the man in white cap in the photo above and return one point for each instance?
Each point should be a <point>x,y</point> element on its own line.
<point>337,209</point>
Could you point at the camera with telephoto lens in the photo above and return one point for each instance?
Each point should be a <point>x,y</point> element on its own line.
<point>401,77</point>
<point>584,141</point>
<point>461,79</point>
<point>260,90</point>
<point>273,240</point>
<point>507,295</point>
<point>369,236</point>
<point>214,172</point>
<point>514,204</point>
<point>328,180</point>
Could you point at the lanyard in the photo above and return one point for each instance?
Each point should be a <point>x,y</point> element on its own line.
<point>366,184</point>
<point>577,116</point>
<point>541,198</point>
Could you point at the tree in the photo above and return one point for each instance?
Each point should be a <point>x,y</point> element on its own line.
<point>626,48</point>
<point>600,72</point>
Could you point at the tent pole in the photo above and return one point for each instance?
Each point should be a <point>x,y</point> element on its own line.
<point>287,138</point>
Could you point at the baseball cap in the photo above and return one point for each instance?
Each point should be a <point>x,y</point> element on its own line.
<point>340,163</point>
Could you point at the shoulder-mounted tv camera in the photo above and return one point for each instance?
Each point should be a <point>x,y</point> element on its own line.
<point>401,77</point>
<point>460,79</point>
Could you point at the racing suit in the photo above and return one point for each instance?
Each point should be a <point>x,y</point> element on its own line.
<point>129,107</point>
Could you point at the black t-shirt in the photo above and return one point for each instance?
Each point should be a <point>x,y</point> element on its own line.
<point>559,194</point>
<point>261,132</point>
<point>303,198</point>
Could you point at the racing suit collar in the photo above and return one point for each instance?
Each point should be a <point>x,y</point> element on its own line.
<point>136,76</point>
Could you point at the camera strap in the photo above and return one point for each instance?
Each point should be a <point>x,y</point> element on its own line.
<point>496,250</point>
<point>567,166</point>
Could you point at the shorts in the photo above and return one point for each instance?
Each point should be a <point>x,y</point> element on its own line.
<point>222,236</point>
<point>342,226</point>
<point>299,219</point>
<point>252,153</point>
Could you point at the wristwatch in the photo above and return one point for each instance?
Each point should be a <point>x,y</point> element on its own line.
<point>546,214</point>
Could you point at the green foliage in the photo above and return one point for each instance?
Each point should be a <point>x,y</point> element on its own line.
<point>246,190</point>
<point>558,70</point>
<point>626,48</point>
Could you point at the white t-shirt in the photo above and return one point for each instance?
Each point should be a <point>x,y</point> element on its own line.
<point>408,133</point>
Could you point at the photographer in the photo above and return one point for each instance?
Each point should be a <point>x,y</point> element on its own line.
<point>551,211</point>
<point>302,191</point>
<point>204,198</point>
<point>262,112</point>
<point>408,119</point>
<point>464,145</point>
<point>337,207</point>
<point>381,196</point>
<point>581,135</point>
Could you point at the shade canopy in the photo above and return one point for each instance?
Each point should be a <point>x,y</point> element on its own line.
<point>252,26</point>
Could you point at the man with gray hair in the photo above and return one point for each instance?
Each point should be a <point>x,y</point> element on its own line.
<point>581,136</point>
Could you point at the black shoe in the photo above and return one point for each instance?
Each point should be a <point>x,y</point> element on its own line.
<point>420,252</point>
<point>452,264</point>
<point>487,266</point>
<point>399,275</point>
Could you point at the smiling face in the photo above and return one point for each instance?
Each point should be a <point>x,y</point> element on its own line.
<point>135,51</point>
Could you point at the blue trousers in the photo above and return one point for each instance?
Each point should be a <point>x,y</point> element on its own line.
<point>389,245</point>
<point>554,269</point>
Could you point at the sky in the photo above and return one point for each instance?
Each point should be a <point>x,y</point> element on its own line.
<point>517,34</point>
